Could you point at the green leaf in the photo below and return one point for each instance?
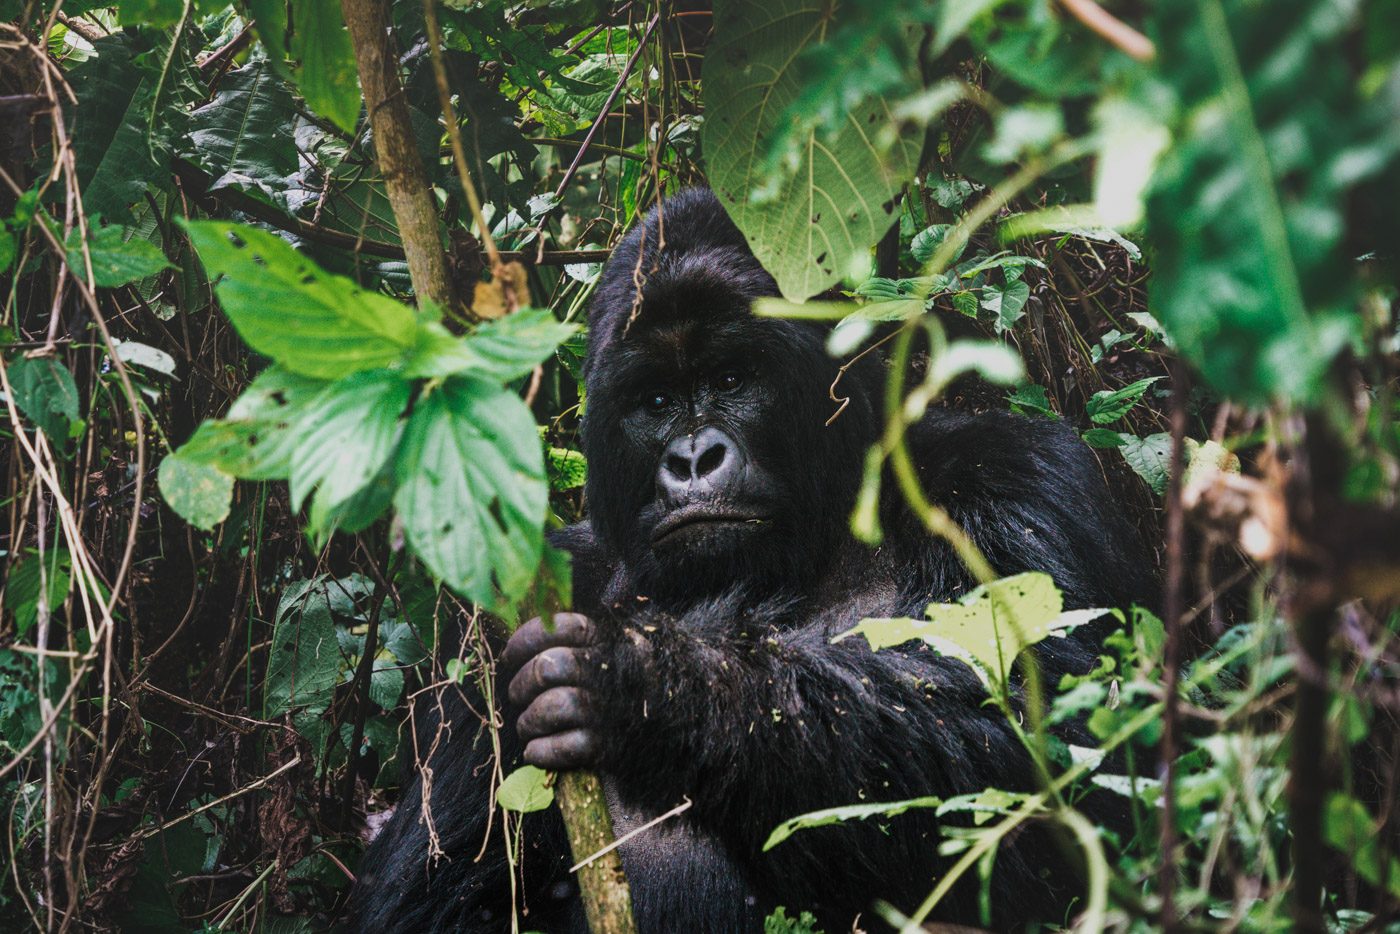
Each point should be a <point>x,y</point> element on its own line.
<point>45,392</point>
<point>829,206</point>
<point>9,247</point>
<point>526,789</point>
<point>1008,303</point>
<point>988,628</point>
<point>326,74</point>
<point>1251,273</point>
<point>116,260</point>
<point>954,16</point>
<point>1108,406</point>
<point>310,321</point>
<point>500,350</point>
<point>1350,830</point>
<point>345,435</point>
<point>257,438</point>
<point>1104,438</point>
<point>303,664</point>
<point>118,152</point>
<point>472,491</point>
<point>1031,399</point>
<point>846,812</point>
<point>200,493</point>
<point>25,584</point>
<point>927,241</point>
<point>150,12</point>
<point>242,136</point>
<point>1150,458</point>
<point>568,470</point>
<point>386,683</point>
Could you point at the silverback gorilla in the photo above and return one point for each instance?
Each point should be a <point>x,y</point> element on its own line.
<point>715,568</point>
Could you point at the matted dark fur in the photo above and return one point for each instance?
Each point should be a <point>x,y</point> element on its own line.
<point>710,673</point>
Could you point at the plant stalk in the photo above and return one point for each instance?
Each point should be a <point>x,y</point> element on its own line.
<point>607,900</point>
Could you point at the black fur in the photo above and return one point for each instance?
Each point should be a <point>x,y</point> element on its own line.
<point>710,673</point>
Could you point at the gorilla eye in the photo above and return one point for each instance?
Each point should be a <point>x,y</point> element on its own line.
<point>655,401</point>
<point>729,381</point>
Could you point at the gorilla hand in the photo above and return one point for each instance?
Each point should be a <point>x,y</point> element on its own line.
<point>555,722</point>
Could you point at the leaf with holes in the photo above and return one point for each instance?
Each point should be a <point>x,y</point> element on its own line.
<point>310,321</point>
<point>472,491</point>
<point>843,192</point>
<point>504,349</point>
<point>258,436</point>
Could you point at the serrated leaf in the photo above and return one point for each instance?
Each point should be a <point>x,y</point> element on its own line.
<point>840,196</point>
<point>199,492</point>
<point>345,435</point>
<point>241,136</point>
<point>1103,438</point>
<point>472,490</point>
<point>116,260</point>
<point>45,392</point>
<point>846,812</point>
<point>526,789</point>
<point>502,350</point>
<point>310,321</point>
<point>1108,406</point>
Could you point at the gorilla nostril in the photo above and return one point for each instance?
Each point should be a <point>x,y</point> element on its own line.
<point>710,460</point>
<point>678,467</point>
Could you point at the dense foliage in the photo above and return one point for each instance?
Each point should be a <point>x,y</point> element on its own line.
<point>271,438</point>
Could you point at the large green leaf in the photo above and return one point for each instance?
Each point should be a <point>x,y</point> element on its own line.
<point>326,62</point>
<point>1250,275</point>
<point>345,435</point>
<point>283,305</point>
<point>242,136</point>
<point>472,490</point>
<point>807,220</point>
<point>117,150</point>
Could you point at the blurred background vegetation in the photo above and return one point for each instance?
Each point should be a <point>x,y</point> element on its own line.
<point>1178,218</point>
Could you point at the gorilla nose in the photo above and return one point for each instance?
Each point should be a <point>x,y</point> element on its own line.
<point>705,462</point>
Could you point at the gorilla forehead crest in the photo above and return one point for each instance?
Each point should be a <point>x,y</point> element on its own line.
<point>687,255</point>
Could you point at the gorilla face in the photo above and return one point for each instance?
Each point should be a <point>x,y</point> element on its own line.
<point>710,461</point>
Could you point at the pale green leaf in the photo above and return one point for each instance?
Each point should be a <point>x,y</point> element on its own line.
<point>500,350</point>
<point>257,438</point>
<point>199,492</point>
<point>847,812</point>
<point>526,789</point>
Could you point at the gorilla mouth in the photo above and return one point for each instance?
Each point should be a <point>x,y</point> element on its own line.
<point>691,518</point>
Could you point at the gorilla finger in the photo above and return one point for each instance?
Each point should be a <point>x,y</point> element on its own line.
<point>535,636</point>
<point>551,668</point>
<point>554,711</point>
<point>576,749</point>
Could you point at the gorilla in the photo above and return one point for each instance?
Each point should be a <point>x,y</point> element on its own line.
<point>715,569</point>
